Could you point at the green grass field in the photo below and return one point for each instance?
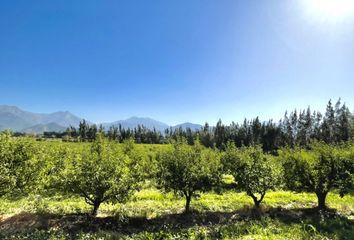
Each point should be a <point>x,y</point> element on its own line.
<point>154,215</point>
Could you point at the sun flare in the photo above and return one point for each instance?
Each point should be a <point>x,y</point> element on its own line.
<point>329,10</point>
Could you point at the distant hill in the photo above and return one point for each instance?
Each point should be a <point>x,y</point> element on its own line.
<point>135,121</point>
<point>65,119</point>
<point>150,124</point>
<point>16,119</point>
<point>40,128</point>
<point>186,125</point>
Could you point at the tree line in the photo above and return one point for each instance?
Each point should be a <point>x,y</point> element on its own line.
<point>104,171</point>
<point>297,128</point>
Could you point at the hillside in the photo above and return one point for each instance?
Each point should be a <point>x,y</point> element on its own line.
<point>16,119</point>
<point>40,128</point>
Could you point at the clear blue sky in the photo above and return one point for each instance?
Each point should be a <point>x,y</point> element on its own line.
<point>176,60</point>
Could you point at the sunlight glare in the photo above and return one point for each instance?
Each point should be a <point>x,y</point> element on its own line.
<point>329,10</point>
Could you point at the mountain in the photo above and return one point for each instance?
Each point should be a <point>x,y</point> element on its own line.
<point>135,121</point>
<point>186,125</point>
<point>12,117</point>
<point>65,119</point>
<point>18,120</point>
<point>150,124</point>
<point>40,128</point>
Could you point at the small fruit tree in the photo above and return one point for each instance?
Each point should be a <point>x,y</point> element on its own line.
<point>320,170</point>
<point>253,171</point>
<point>187,170</point>
<point>101,174</point>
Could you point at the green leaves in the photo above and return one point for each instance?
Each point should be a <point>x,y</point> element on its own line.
<point>17,164</point>
<point>319,170</point>
<point>100,174</point>
<point>104,171</point>
<point>251,169</point>
<point>187,169</point>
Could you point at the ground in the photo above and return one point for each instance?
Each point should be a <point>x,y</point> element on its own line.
<point>154,215</point>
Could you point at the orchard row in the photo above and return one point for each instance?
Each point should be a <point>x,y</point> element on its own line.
<point>105,171</point>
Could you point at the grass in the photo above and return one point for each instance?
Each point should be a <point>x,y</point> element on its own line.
<point>154,215</point>
<point>152,201</point>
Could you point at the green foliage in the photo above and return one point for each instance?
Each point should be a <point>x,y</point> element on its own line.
<point>105,174</point>
<point>17,165</point>
<point>99,175</point>
<point>188,169</point>
<point>251,169</point>
<point>143,161</point>
<point>53,165</point>
<point>319,170</point>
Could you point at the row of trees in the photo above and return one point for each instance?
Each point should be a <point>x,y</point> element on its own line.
<point>87,133</point>
<point>110,172</point>
<point>298,128</point>
<point>320,169</point>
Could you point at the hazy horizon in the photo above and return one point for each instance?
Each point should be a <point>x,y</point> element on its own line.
<point>322,111</point>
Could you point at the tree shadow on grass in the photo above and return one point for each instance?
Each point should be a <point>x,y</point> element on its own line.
<point>328,222</point>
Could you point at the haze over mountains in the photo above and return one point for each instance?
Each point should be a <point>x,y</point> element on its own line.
<point>18,120</point>
<point>135,121</point>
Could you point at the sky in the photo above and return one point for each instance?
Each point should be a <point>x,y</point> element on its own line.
<point>177,60</point>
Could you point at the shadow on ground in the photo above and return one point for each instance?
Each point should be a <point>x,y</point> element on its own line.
<point>328,221</point>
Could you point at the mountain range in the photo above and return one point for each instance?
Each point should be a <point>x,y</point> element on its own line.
<point>18,120</point>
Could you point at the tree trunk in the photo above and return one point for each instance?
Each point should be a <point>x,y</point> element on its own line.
<point>188,202</point>
<point>255,200</point>
<point>96,205</point>
<point>257,203</point>
<point>321,197</point>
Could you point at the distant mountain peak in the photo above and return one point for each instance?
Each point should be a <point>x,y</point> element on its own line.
<point>150,123</point>
<point>135,121</point>
<point>9,108</point>
<point>62,112</point>
<point>12,117</point>
<point>190,125</point>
